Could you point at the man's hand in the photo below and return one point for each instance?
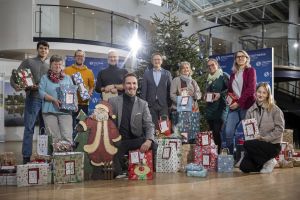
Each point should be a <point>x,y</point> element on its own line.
<point>91,93</point>
<point>146,146</point>
<point>234,106</point>
<point>34,87</point>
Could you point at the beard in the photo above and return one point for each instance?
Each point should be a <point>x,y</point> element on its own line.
<point>100,115</point>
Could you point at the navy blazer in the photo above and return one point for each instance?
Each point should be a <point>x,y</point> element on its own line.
<point>150,91</point>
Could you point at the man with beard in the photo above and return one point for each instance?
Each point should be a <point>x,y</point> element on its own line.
<point>109,80</point>
<point>88,80</point>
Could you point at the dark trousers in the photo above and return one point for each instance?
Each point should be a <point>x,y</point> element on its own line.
<point>84,108</point>
<point>215,126</point>
<point>257,153</point>
<point>127,145</point>
<point>157,111</point>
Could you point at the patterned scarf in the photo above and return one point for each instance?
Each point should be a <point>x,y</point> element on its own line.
<point>215,76</point>
<point>54,77</point>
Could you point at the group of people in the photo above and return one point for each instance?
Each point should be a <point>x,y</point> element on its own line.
<point>137,117</point>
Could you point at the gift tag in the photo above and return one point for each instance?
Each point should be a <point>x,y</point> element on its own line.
<point>69,98</point>
<point>166,153</point>
<point>164,126</point>
<point>209,97</point>
<point>205,140</point>
<point>184,92</point>
<point>229,100</point>
<point>134,157</point>
<point>29,82</point>
<point>70,167</point>
<point>250,129</point>
<point>205,160</point>
<point>184,101</point>
<point>33,176</point>
<point>281,157</point>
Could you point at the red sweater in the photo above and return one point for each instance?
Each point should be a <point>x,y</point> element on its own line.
<point>249,86</point>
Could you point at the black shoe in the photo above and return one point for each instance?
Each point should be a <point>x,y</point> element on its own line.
<point>26,160</point>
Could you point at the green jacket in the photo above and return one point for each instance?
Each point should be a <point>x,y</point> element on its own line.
<point>217,109</point>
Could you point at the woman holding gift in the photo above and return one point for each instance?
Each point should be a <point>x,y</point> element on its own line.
<point>240,96</point>
<point>58,122</point>
<point>184,85</point>
<point>261,152</point>
<point>215,97</point>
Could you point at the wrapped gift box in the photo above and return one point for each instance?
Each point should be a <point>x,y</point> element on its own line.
<point>231,98</point>
<point>225,161</point>
<point>168,155</point>
<point>8,179</point>
<point>250,128</point>
<point>205,139</point>
<point>193,167</point>
<point>140,165</point>
<point>184,103</point>
<point>195,122</point>
<point>32,174</point>
<point>68,167</point>
<point>83,92</point>
<point>165,125</point>
<point>187,155</point>
<point>202,173</point>
<point>68,97</point>
<point>23,77</point>
<point>288,136</point>
<point>206,156</point>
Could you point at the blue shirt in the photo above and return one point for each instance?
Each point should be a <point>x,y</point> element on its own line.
<point>156,75</point>
<point>46,86</point>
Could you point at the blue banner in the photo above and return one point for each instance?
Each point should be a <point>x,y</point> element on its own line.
<point>261,60</point>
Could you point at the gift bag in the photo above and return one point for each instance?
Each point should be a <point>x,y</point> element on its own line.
<point>83,92</point>
<point>140,165</point>
<point>250,128</point>
<point>168,155</point>
<point>165,125</point>
<point>184,103</point>
<point>32,174</point>
<point>225,161</point>
<point>206,156</point>
<point>68,97</point>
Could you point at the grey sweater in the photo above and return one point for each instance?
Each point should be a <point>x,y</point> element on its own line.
<point>271,124</point>
<point>38,69</point>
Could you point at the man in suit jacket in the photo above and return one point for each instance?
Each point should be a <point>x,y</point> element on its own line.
<point>133,120</point>
<point>156,88</point>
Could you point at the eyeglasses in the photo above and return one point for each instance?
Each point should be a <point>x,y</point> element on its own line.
<point>240,57</point>
<point>211,65</point>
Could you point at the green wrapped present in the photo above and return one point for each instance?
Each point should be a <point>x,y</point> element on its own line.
<point>23,78</point>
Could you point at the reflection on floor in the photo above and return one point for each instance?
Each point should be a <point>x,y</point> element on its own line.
<point>281,184</point>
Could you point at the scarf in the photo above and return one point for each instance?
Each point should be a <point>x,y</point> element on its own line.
<point>215,76</point>
<point>54,77</point>
<point>187,79</point>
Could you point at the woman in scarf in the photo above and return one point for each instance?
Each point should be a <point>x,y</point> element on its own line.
<point>58,122</point>
<point>215,97</point>
<point>184,85</point>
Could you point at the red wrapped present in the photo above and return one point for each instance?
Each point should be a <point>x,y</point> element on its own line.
<point>206,156</point>
<point>205,139</point>
<point>140,165</point>
<point>231,98</point>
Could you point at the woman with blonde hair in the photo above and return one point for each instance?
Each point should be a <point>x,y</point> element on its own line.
<point>261,152</point>
<point>240,96</point>
<point>184,85</point>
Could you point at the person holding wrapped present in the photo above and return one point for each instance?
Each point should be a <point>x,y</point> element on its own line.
<point>88,83</point>
<point>57,121</point>
<point>185,85</point>
<point>261,152</point>
<point>240,96</point>
<point>215,97</point>
<point>33,103</point>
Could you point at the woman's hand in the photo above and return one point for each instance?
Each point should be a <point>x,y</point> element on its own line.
<point>56,103</point>
<point>216,96</point>
<point>234,106</point>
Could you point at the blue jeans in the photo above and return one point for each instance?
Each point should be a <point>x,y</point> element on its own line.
<point>234,117</point>
<point>33,108</point>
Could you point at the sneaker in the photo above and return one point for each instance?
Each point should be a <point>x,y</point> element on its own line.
<point>269,166</point>
<point>26,160</point>
<point>123,175</point>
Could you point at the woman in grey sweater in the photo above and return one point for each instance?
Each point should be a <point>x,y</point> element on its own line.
<point>261,152</point>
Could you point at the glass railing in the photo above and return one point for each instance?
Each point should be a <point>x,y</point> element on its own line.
<point>84,25</point>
